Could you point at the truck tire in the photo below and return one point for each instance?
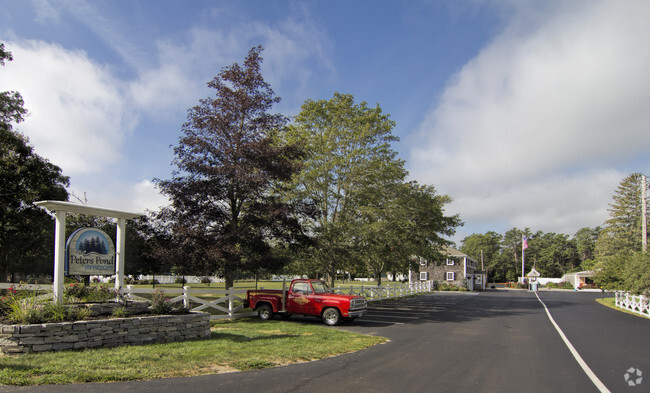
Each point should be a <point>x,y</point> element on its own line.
<point>265,311</point>
<point>331,316</point>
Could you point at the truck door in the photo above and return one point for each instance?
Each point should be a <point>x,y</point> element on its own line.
<point>301,299</point>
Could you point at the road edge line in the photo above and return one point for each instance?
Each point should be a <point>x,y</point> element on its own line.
<point>592,376</point>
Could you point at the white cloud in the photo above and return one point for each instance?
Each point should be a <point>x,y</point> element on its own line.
<point>133,197</point>
<point>564,92</point>
<point>45,12</point>
<point>293,49</point>
<point>77,116</point>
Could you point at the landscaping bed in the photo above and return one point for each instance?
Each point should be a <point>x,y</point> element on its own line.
<point>112,332</point>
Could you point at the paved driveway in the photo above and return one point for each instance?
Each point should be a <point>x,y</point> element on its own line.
<point>495,341</point>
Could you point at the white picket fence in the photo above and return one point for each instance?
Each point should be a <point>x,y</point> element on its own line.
<point>372,293</point>
<point>638,304</point>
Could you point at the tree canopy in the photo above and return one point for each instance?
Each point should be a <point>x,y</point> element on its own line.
<point>26,232</point>
<point>227,208</point>
<point>369,218</point>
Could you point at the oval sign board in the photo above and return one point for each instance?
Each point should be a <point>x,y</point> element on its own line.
<point>90,251</point>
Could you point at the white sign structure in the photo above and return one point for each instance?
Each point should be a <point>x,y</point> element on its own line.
<point>60,208</point>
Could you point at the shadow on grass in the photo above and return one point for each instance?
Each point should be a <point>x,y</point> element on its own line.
<point>238,338</point>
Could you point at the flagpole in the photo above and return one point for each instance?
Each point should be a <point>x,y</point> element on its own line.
<point>523,258</point>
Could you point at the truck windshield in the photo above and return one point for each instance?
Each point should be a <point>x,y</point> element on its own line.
<point>320,287</point>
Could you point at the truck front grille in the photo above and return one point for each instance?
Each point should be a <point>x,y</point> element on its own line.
<point>358,304</point>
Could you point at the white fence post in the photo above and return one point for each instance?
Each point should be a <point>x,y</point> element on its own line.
<point>230,301</point>
<point>186,297</point>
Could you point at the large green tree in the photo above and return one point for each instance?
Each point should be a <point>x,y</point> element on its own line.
<point>403,221</point>
<point>26,232</point>
<point>348,151</point>
<point>486,247</point>
<point>619,260</point>
<point>621,233</point>
<point>227,211</point>
<point>585,243</point>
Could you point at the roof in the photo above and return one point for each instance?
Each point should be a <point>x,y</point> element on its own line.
<point>586,273</point>
<point>452,252</point>
<point>54,206</point>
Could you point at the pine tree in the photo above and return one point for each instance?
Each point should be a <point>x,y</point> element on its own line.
<point>622,232</point>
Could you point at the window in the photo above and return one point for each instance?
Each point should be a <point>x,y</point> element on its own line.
<point>450,276</point>
<point>423,276</point>
<point>303,287</point>
<point>423,261</point>
<point>450,261</point>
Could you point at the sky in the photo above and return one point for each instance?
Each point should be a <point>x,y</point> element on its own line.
<point>527,113</point>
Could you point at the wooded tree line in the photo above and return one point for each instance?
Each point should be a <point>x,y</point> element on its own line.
<point>552,254</point>
<point>253,192</point>
<point>614,250</point>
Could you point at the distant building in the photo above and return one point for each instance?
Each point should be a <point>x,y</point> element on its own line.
<point>580,279</point>
<point>456,269</point>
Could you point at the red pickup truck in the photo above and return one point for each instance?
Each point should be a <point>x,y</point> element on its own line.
<point>306,297</point>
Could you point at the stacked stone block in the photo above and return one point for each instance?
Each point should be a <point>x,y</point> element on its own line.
<point>15,339</point>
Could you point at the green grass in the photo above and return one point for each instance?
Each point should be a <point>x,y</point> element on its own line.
<point>241,345</point>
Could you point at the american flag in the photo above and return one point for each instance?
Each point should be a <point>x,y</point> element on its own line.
<point>524,242</point>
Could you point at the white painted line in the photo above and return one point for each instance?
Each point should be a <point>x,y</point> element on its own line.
<point>601,387</point>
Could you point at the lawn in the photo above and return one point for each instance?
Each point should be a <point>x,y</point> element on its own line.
<point>240,345</point>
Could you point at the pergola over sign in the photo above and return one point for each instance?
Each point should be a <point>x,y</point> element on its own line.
<point>60,208</point>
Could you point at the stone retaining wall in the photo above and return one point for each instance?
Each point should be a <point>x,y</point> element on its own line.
<point>113,332</point>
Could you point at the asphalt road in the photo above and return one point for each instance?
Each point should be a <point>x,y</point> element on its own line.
<point>494,341</point>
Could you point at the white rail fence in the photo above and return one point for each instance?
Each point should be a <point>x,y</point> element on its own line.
<point>228,304</point>
<point>638,304</point>
<point>372,293</point>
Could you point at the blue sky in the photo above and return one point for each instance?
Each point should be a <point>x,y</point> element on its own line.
<point>527,113</point>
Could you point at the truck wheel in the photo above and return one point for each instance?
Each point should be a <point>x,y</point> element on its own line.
<point>331,316</point>
<point>265,311</point>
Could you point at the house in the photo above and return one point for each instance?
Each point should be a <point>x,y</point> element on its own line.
<point>580,279</point>
<point>457,269</point>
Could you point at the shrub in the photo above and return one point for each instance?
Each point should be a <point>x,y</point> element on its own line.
<point>121,312</point>
<point>160,303</point>
<point>8,295</point>
<point>30,310</point>
<point>81,293</point>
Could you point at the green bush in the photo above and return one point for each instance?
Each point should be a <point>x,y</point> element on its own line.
<point>31,310</point>
<point>160,304</point>
<point>80,293</point>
